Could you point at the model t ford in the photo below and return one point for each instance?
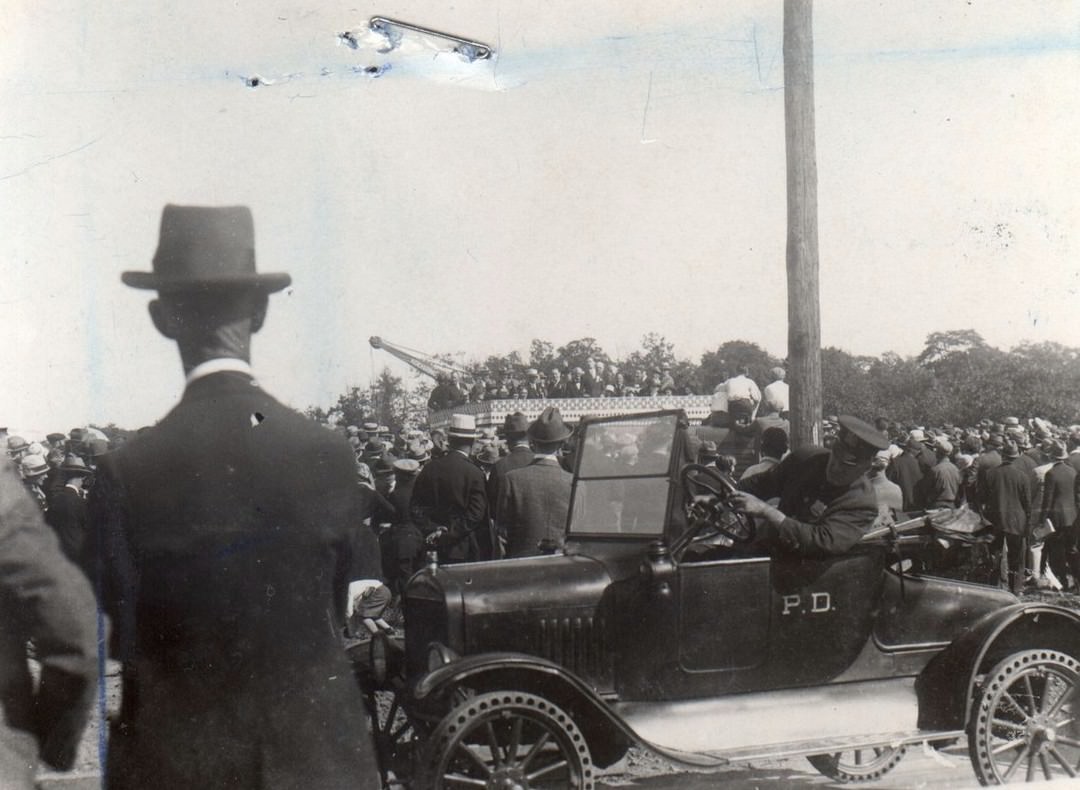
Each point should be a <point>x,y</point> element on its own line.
<point>659,626</point>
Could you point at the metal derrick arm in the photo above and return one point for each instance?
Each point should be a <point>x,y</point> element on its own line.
<point>425,363</point>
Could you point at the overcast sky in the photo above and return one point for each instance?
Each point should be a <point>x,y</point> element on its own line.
<point>617,168</point>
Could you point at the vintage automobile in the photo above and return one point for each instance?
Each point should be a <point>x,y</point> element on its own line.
<point>660,626</point>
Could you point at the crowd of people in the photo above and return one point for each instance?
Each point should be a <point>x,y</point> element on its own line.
<point>595,380</point>
<point>235,520</point>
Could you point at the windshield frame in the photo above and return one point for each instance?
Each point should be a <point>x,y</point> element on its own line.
<point>669,475</point>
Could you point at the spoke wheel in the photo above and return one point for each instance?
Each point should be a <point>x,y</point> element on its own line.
<point>1025,723</point>
<point>507,740</point>
<point>858,765</point>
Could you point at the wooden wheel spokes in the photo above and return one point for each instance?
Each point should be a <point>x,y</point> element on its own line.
<point>1026,723</point>
<point>510,741</point>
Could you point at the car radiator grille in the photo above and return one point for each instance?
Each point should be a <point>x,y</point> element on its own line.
<point>577,643</point>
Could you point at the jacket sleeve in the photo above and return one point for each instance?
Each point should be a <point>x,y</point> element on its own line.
<point>837,533</point>
<point>57,606</point>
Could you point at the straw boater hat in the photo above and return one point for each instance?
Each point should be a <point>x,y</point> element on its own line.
<point>462,426</point>
<point>205,247</point>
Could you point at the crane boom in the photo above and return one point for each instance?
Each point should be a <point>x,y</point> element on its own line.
<point>425,363</point>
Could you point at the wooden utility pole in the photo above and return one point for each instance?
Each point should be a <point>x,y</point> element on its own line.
<point>804,311</point>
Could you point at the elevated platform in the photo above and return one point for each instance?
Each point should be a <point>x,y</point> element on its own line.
<point>492,413</point>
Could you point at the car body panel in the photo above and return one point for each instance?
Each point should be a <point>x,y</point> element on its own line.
<point>704,656</point>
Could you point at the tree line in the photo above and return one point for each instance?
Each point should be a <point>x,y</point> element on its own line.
<point>957,378</point>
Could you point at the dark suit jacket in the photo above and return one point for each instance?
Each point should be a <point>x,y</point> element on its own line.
<point>450,492</point>
<point>533,505</point>
<point>1007,500</point>
<point>222,542</point>
<point>67,515</point>
<point>822,519</point>
<point>907,472</point>
<point>43,597</point>
<point>519,456</point>
<point>1060,495</point>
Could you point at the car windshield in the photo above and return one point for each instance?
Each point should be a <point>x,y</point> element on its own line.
<point>621,486</point>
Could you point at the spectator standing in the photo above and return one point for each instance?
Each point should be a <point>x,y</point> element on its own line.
<point>67,509</point>
<point>224,528</point>
<point>942,488</point>
<point>1061,505</point>
<point>534,500</point>
<point>907,472</point>
<point>449,501</point>
<point>45,598</point>
<point>1007,503</point>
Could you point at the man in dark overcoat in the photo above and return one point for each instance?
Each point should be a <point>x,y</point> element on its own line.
<point>222,542</point>
<point>449,501</point>
<point>67,508</point>
<point>515,430</point>
<point>44,598</point>
<point>534,500</point>
<point>1060,506</point>
<point>1007,506</point>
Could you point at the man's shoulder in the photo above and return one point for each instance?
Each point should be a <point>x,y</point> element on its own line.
<point>539,470</point>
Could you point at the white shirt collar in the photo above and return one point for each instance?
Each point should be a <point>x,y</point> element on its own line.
<point>217,366</point>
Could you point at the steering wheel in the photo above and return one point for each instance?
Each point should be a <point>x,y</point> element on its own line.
<point>709,491</point>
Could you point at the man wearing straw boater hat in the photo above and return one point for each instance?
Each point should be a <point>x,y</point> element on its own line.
<point>218,534</point>
<point>449,503</point>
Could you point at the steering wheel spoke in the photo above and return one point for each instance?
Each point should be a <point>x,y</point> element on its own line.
<point>709,492</point>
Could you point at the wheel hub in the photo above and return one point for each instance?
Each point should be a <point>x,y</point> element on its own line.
<point>508,778</point>
<point>1041,734</point>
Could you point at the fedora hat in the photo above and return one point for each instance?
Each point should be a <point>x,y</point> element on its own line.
<point>74,466</point>
<point>203,246</point>
<point>516,424</point>
<point>462,426</point>
<point>549,427</point>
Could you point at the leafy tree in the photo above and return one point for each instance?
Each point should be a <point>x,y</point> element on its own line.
<point>730,357</point>
<point>541,355</point>
<point>576,352</point>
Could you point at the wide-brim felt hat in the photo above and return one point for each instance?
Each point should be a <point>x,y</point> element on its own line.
<point>74,466</point>
<point>549,427</point>
<point>204,247</point>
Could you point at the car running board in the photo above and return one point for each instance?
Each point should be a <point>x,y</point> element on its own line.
<point>784,723</point>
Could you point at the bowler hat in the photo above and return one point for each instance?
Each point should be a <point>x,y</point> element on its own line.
<point>488,455</point>
<point>1057,451</point>
<point>549,427</point>
<point>203,246</point>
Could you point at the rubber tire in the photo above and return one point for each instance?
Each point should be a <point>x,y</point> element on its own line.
<point>482,708</point>
<point>997,681</point>
<point>831,765</point>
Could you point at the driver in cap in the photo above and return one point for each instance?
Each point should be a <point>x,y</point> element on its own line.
<point>826,500</point>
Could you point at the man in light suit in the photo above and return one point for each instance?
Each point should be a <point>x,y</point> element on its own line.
<point>44,598</point>
<point>534,500</point>
<point>220,543</point>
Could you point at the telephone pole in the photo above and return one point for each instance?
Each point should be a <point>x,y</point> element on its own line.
<point>804,310</point>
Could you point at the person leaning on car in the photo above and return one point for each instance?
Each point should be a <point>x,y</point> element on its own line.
<point>826,499</point>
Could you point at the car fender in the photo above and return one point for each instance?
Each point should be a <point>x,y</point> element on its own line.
<point>947,685</point>
<point>607,734</point>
